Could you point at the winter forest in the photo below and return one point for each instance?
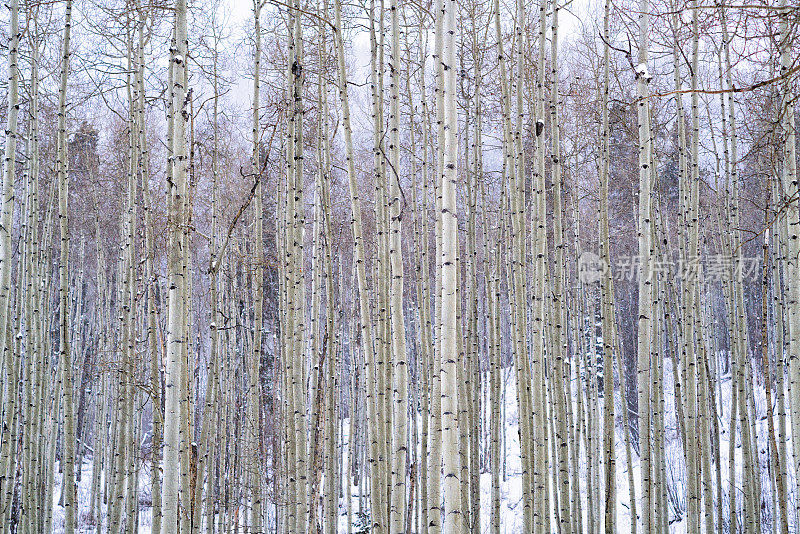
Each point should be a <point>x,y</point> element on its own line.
<point>400,266</point>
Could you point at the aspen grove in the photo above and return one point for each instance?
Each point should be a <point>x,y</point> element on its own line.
<point>400,266</point>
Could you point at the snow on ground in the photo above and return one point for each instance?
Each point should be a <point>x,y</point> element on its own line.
<point>511,479</point>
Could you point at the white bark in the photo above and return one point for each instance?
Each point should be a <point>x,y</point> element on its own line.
<point>176,335</point>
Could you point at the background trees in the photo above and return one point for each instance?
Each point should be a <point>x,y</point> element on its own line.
<point>322,266</point>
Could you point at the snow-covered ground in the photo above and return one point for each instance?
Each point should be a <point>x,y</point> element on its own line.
<point>511,483</point>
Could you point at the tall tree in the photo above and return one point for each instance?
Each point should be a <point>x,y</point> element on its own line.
<point>177,306</point>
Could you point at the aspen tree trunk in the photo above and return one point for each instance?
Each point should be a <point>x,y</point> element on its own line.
<point>740,329</point>
<point>287,325</point>
<point>7,205</point>
<point>398,343</point>
<point>176,333</point>
<point>559,374</point>
<point>32,467</point>
<point>317,380</point>
<point>474,370</point>
<point>660,519</point>
<point>683,180</point>
<point>645,282</point>
<point>518,225</point>
<point>541,490</point>
<point>779,297</point>
<point>422,285</point>
<point>7,355</point>
<point>100,432</point>
<point>359,260</point>
<point>129,327</point>
<point>207,453</point>
<point>607,301</point>
<point>435,509</point>
<point>188,448</point>
<point>254,368</point>
<point>789,182</point>
<point>56,382</point>
<point>70,501</point>
<point>382,266</point>
<point>450,358</point>
<point>691,294</point>
<point>35,466</point>
<point>463,391</point>
<point>495,366</point>
<point>295,252</point>
<point>151,284</point>
<point>778,490</point>
<point>11,433</point>
<point>331,341</point>
<point>126,303</point>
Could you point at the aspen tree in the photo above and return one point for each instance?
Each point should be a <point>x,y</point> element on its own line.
<point>33,466</point>
<point>70,501</point>
<point>399,354</point>
<point>254,368</point>
<point>332,340</point>
<point>187,450</point>
<point>9,176</point>
<point>176,333</point>
<point>382,265</point>
<point>772,445</point>
<point>495,365</point>
<point>541,489</point>
<point>56,383</point>
<point>27,235</point>
<point>208,453</point>
<point>295,256</point>
<point>450,360</point>
<point>422,281</point>
<point>12,433</point>
<point>462,394</point>
<point>691,294</point>
<point>512,166</point>
<point>559,312</point>
<point>645,281</point>
<point>287,292</point>
<point>657,357</point>
<point>359,259</point>
<point>321,337</point>
<point>317,379</point>
<point>789,183</point>
<point>473,179</point>
<point>8,356</point>
<point>101,411</point>
<point>683,181</point>
<point>435,470</point>
<point>703,461</point>
<point>740,328</point>
<point>122,458</point>
<point>607,300</point>
<point>150,291</point>
<point>779,298</point>
<point>476,189</point>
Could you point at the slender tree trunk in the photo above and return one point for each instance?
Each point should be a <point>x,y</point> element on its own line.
<point>398,343</point>
<point>448,303</point>
<point>645,282</point>
<point>176,333</point>
<point>607,301</point>
<point>8,357</point>
<point>70,501</point>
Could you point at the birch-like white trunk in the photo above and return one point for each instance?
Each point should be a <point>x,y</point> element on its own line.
<point>176,335</point>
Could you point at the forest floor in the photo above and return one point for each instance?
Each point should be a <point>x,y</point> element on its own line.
<point>511,479</point>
